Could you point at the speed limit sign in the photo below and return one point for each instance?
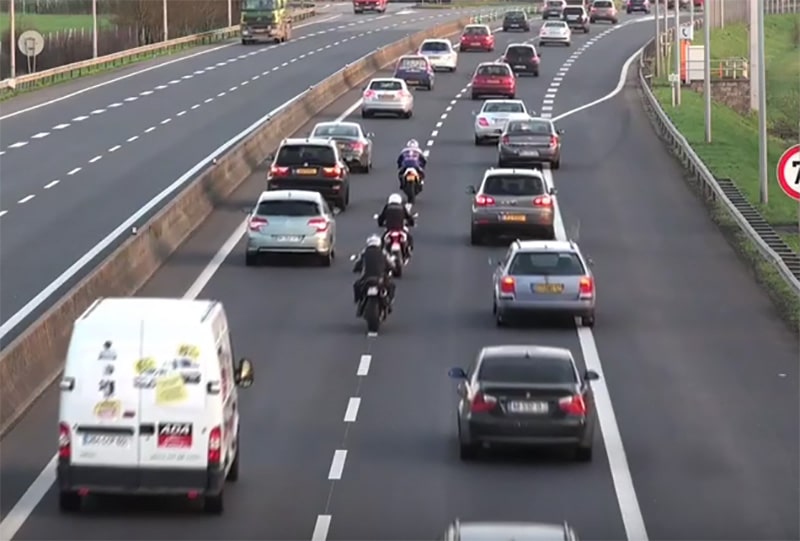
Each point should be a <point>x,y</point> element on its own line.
<point>789,172</point>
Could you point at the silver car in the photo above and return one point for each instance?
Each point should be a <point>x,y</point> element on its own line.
<point>354,144</point>
<point>491,120</point>
<point>543,277</point>
<point>555,32</point>
<point>387,96</point>
<point>527,142</point>
<point>291,222</point>
<point>509,531</point>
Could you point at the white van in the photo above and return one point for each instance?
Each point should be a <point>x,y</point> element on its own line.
<point>149,402</point>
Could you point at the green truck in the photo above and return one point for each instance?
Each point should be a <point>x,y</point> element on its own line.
<point>265,20</point>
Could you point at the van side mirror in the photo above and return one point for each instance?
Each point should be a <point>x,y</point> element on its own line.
<point>591,375</point>
<point>471,190</point>
<point>457,373</point>
<point>244,373</point>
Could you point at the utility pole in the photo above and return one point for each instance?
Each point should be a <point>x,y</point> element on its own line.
<point>12,50</point>
<point>230,13</point>
<point>707,70</point>
<point>166,21</point>
<point>762,109</point>
<point>94,28</point>
<point>658,39</point>
<point>677,54</point>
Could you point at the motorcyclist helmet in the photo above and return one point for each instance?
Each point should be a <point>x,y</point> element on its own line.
<point>395,199</point>
<point>373,240</point>
<point>412,144</point>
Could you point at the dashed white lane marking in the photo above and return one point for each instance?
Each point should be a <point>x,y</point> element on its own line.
<point>18,145</point>
<point>80,118</point>
<point>61,126</point>
<point>3,213</point>
<point>131,139</point>
<point>40,135</point>
<point>321,528</point>
<point>96,159</point>
<point>114,105</point>
<point>351,412</point>
<point>131,99</point>
<point>25,199</point>
<point>166,121</point>
<point>115,148</point>
<point>77,169</point>
<point>150,129</point>
<point>363,365</point>
<point>51,184</point>
<point>337,464</point>
<point>98,112</point>
<point>145,92</point>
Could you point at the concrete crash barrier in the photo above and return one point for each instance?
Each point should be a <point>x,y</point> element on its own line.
<point>121,58</point>
<point>34,359</point>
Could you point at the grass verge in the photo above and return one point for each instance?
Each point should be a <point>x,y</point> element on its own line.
<point>53,23</point>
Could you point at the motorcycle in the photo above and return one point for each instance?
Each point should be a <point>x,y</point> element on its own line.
<point>395,243</point>
<point>410,183</point>
<point>374,303</point>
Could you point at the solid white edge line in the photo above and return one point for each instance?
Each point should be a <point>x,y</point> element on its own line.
<point>337,465</point>
<point>351,413</point>
<point>15,518</point>
<point>321,528</point>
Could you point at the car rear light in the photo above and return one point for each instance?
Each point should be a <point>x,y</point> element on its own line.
<point>508,285</point>
<point>543,201</point>
<point>404,94</point>
<point>594,9</point>
<point>214,446</point>
<point>64,441</point>
<point>482,403</point>
<point>553,141</point>
<point>321,224</point>
<point>332,172</point>
<point>573,405</point>
<point>357,146</point>
<point>484,201</point>
<point>277,171</point>
<point>482,121</point>
<point>505,140</point>
<point>257,222</point>
<point>369,94</point>
<point>586,286</point>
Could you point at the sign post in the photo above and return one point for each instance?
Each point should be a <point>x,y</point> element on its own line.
<point>789,172</point>
<point>31,44</point>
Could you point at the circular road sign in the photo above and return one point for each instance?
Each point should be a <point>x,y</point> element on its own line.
<point>789,172</point>
<point>30,43</point>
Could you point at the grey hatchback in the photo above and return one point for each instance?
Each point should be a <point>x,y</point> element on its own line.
<point>543,276</point>
<point>531,141</point>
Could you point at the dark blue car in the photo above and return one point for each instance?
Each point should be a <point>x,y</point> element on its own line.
<point>416,71</point>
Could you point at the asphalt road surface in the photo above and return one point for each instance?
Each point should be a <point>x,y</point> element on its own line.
<point>701,375</point>
<point>76,169</point>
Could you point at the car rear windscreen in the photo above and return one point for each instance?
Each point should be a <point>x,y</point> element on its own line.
<point>520,51</point>
<point>520,369</point>
<point>494,71</point>
<point>412,64</point>
<point>554,4</point>
<point>546,264</point>
<point>573,11</point>
<point>528,127</point>
<point>603,4</point>
<point>476,31</point>
<point>437,46</point>
<point>515,15</point>
<point>513,185</point>
<point>503,107</point>
<point>288,207</point>
<point>387,86</point>
<point>296,155</point>
<point>554,24</point>
<point>335,130</point>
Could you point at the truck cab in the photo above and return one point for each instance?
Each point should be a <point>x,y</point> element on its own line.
<point>265,20</point>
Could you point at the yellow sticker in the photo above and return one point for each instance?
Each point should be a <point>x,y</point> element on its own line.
<point>170,390</point>
<point>188,351</point>
<point>108,409</point>
<point>148,364</point>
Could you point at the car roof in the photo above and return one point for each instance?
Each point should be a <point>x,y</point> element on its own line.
<point>386,80</point>
<point>546,245</point>
<point>290,141</point>
<point>555,23</point>
<point>520,44</point>
<point>486,26</point>
<point>496,171</point>
<point>518,350</point>
<point>336,123</point>
<point>482,64</point>
<point>437,40</point>
<point>415,57</point>
<point>282,195</point>
<point>499,100</point>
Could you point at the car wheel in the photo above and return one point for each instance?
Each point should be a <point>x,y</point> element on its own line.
<point>556,164</point>
<point>478,141</point>
<point>245,42</point>
<point>364,114</point>
<point>499,319</point>
<point>536,73</point>
<point>475,96</point>
<point>326,259</point>
<point>588,321</point>
<point>583,454</point>
<point>568,44</point>
<point>467,451</point>
<point>250,260</point>
<point>475,237</point>
<point>512,96</point>
<point>214,504</point>
<point>233,473</point>
<point>585,30</point>
<point>550,233</point>
<point>409,114</point>
<point>500,163</point>
<point>490,49</point>
<point>69,502</point>
<point>592,21</point>
<point>628,12</point>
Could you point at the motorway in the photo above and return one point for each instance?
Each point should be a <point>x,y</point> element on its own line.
<point>74,170</point>
<point>701,374</point>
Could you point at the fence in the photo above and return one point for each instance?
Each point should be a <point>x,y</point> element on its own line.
<point>722,12</point>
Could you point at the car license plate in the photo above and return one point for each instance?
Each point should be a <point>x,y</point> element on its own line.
<point>411,82</point>
<point>311,171</point>
<point>386,97</point>
<point>530,153</point>
<point>106,440</point>
<point>287,238</point>
<point>520,66</point>
<point>493,82</point>
<point>513,217</point>
<point>572,17</point>
<point>372,291</point>
<point>548,288</point>
<point>536,408</point>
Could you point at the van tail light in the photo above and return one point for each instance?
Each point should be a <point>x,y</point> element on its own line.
<point>482,122</point>
<point>369,94</point>
<point>508,285</point>
<point>553,141</point>
<point>484,201</point>
<point>277,171</point>
<point>573,405</point>
<point>321,224</point>
<point>482,403</point>
<point>332,172</point>
<point>257,222</point>
<point>215,446</point>
<point>505,140</point>
<point>357,146</point>
<point>543,201</point>
<point>64,442</point>
<point>586,287</point>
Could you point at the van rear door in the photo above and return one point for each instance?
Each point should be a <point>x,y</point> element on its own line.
<point>174,423</point>
<point>102,408</point>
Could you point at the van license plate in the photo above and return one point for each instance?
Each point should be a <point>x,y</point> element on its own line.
<point>372,291</point>
<point>106,440</point>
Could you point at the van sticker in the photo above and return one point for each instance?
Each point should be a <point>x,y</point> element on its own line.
<point>108,370</point>
<point>106,386</point>
<point>175,435</point>
<point>145,365</point>
<point>188,351</point>
<point>107,354</point>
<point>108,409</point>
<point>170,390</point>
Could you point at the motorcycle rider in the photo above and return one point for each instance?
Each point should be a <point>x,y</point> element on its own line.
<point>395,217</point>
<point>412,156</point>
<point>373,262</point>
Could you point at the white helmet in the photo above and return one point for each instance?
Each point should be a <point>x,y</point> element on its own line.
<point>373,240</point>
<point>412,144</point>
<point>395,199</point>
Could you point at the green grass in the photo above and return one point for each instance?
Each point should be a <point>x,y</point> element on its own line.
<point>51,23</point>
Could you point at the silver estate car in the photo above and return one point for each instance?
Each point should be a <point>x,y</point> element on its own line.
<point>544,277</point>
<point>291,222</point>
<point>493,116</point>
<point>509,531</point>
<point>387,96</point>
<point>528,142</point>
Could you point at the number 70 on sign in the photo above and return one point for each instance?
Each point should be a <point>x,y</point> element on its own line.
<point>789,172</point>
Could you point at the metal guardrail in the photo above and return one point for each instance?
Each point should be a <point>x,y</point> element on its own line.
<point>711,187</point>
<point>76,69</point>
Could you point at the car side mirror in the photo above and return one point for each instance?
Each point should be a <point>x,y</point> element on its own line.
<point>491,262</point>
<point>457,373</point>
<point>560,132</point>
<point>353,257</point>
<point>269,158</point>
<point>591,375</point>
<point>246,210</point>
<point>415,215</point>
<point>371,135</point>
<point>552,191</point>
<point>590,261</point>
<point>244,375</point>
<point>471,190</point>
<point>461,388</point>
<point>374,216</point>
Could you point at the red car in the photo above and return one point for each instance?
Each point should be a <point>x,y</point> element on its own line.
<point>477,36</point>
<point>493,79</point>
<point>360,6</point>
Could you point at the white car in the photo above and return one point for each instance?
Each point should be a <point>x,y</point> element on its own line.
<point>387,95</point>
<point>555,32</point>
<point>441,54</point>
<point>491,119</point>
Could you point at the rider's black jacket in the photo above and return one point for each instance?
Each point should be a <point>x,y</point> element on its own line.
<point>395,216</point>
<point>372,262</point>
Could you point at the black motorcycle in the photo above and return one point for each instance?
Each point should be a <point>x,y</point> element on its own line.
<point>374,303</point>
<point>410,183</point>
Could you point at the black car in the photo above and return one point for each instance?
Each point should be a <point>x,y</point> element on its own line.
<point>553,9</point>
<point>525,395</point>
<point>311,164</point>
<point>638,5</point>
<point>576,17</point>
<point>522,58</point>
<point>516,20</point>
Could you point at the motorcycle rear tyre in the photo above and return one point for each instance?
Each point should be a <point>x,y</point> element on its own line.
<point>410,192</point>
<point>372,314</point>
